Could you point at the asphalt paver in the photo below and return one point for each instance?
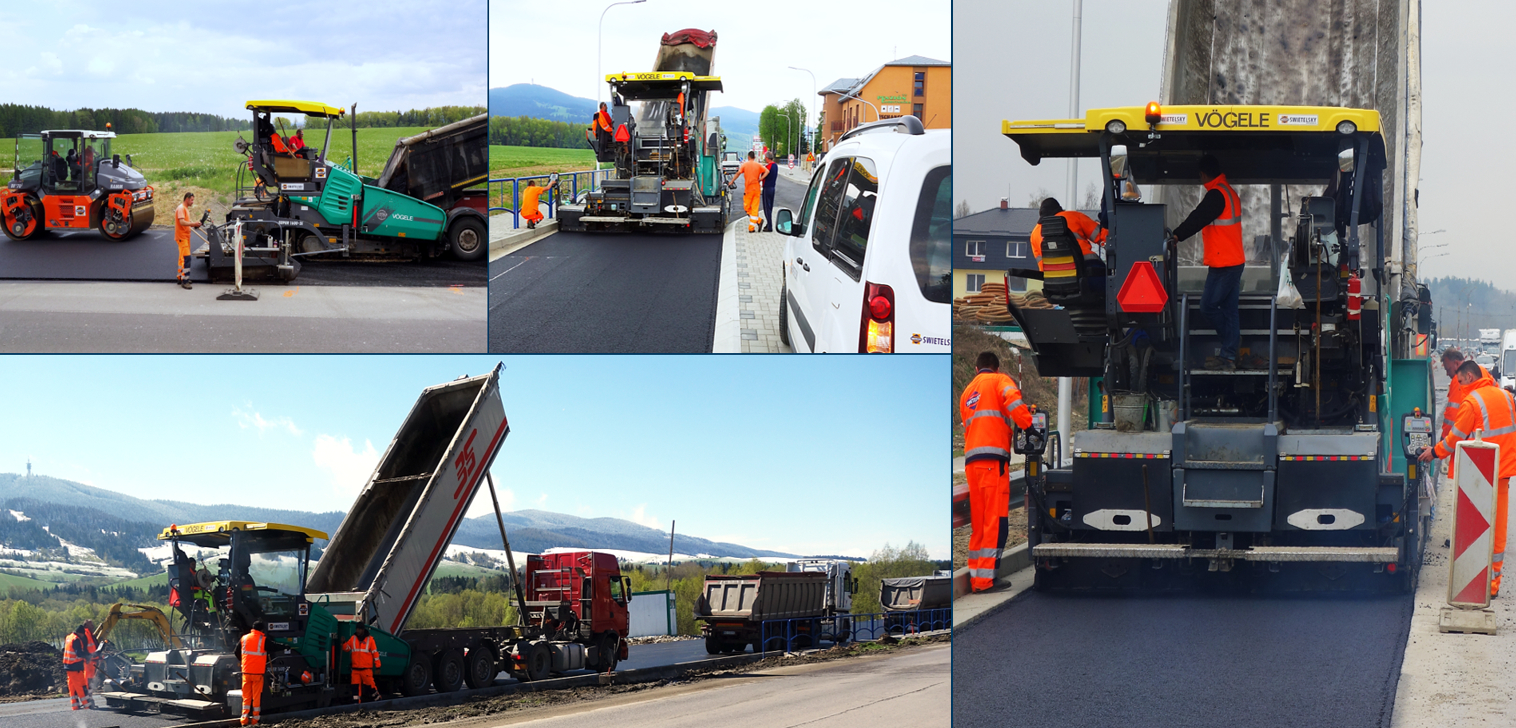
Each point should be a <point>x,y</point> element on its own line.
<point>1190,660</point>
<point>606,292</point>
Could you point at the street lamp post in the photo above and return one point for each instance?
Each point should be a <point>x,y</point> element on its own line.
<point>599,64</point>
<point>877,117</point>
<point>814,119</point>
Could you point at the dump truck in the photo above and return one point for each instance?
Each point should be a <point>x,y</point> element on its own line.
<point>666,152</point>
<point>68,180</point>
<point>571,608</point>
<point>840,588</point>
<point>905,598</point>
<point>294,204</point>
<point>732,609</point>
<point>1289,471</point>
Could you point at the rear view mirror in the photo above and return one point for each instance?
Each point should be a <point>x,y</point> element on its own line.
<point>1345,160</point>
<point>784,221</point>
<point>1118,161</point>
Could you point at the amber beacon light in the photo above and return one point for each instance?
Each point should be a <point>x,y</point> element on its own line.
<point>1154,113</point>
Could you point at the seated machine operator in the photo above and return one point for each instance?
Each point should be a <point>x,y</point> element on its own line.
<point>1086,231</point>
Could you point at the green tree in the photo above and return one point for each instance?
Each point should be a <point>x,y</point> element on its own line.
<point>782,137</point>
<point>888,563</point>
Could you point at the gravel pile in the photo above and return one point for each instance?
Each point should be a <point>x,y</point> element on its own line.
<point>31,668</point>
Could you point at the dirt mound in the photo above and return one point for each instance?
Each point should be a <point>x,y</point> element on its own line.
<point>31,668</point>
<point>170,194</point>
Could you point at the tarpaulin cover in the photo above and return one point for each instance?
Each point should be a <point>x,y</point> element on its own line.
<point>700,38</point>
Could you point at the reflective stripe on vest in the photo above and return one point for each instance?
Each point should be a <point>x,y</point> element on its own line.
<point>1485,413</point>
<point>1222,237</point>
<point>71,657</point>
<point>1233,204</point>
<point>1002,452</point>
<point>987,413</point>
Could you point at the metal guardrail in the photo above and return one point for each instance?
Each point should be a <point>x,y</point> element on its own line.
<point>572,180</point>
<point>788,634</point>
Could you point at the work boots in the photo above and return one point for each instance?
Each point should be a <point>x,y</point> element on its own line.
<point>185,284</point>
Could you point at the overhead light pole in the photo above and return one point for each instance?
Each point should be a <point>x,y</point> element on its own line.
<point>599,64</point>
<point>814,119</point>
<point>1065,384</point>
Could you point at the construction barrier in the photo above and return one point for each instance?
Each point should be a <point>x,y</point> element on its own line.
<point>1473,523</point>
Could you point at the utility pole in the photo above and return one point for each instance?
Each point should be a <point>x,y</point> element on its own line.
<point>1066,384</point>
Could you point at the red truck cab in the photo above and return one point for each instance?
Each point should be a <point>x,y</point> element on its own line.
<point>580,593</point>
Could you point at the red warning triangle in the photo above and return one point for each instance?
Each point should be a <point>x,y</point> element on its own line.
<point>621,134</point>
<point>1143,290</point>
<point>1471,524</point>
<point>1483,459</point>
<point>1473,592</point>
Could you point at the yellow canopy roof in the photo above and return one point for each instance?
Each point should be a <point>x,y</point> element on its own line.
<point>220,532</point>
<point>309,108</point>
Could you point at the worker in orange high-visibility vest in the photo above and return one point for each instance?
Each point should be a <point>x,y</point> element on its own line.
<point>90,662</point>
<point>1451,360</point>
<point>989,405</point>
<point>529,202</point>
<point>752,174</point>
<point>254,649</point>
<point>365,660</point>
<point>1491,411</point>
<point>75,654</point>
<point>1218,219</point>
<point>1086,231</point>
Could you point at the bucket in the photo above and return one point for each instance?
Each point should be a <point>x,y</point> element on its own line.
<point>1131,411</point>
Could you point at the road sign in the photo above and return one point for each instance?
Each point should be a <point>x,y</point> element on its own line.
<point>1473,524</point>
<point>792,161</point>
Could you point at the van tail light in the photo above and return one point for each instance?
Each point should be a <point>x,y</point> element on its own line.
<point>876,333</point>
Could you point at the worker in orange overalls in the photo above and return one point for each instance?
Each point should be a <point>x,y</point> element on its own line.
<point>1086,231</point>
<point>602,126</point>
<point>529,196</point>
<point>1451,360</point>
<point>254,649</point>
<point>90,662</point>
<point>1492,411</point>
<point>365,660</point>
<point>989,405</point>
<point>75,654</point>
<point>182,225</point>
<point>752,174</point>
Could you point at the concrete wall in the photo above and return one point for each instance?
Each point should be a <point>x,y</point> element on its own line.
<point>652,613</point>
<point>1351,53</point>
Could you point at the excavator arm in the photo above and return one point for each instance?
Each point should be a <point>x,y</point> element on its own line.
<point>144,612</point>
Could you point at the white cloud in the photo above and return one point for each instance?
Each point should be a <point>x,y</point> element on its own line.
<point>641,517</point>
<point>255,420</point>
<point>348,468</point>
<point>542,500</point>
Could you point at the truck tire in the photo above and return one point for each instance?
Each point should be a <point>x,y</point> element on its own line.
<point>712,644</point>
<point>607,646</point>
<point>539,661</point>
<point>467,239</point>
<point>447,673</point>
<point>417,677</point>
<point>479,667</point>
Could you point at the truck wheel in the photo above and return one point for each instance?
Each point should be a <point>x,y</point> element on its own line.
<point>539,661</point>
<point>447,674</point>
<point>479,667</point>
<point>712,645</point>
<point>608,646</point>
<point>468,241</point>
<point>417,677</point>
<point>784,318</point>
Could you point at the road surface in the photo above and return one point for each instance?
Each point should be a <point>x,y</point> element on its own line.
<point>55,713</point>
<point>612,292</point>
<point>912,688</point>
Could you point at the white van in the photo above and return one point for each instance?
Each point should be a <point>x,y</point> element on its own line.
<point>1507,361</point>
<point>868,266</point>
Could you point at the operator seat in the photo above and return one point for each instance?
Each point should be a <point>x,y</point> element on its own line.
<point>1069,279</point>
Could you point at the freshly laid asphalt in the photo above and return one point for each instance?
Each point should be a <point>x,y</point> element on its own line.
<point>606,292</point>
<point>150,256</point>
<point>1195,660</point>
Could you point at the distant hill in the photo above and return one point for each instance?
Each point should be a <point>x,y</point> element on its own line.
<point>1488,307</point>
<point>115,525</point>
<point>541,102</point>
<point>740,125</point>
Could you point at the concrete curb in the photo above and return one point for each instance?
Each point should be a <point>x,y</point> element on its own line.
<point>728,335</point>
<point>645,674</point>
<point>516,239</point>
<point>1012,560</point>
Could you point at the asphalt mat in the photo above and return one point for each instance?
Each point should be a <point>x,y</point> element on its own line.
<point>1193,660</point>
<point>150,256</point>
<point>606,292</point>
<point>90,256</point>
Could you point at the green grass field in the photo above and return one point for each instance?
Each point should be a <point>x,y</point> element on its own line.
<point>144,582</point>
<point>9,580</point>
<point>522,161</point>
<point>207,159</point>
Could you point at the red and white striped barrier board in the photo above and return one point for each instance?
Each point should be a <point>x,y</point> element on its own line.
<point>1473,524</point>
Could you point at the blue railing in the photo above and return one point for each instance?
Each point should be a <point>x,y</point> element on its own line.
<point>569,181</point>
<point>789,634</point>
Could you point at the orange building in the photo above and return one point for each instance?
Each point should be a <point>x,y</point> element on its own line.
<point>914,86</point>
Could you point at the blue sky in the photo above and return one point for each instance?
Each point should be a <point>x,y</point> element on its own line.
<point>827,454</point>
<point>386,55</point>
